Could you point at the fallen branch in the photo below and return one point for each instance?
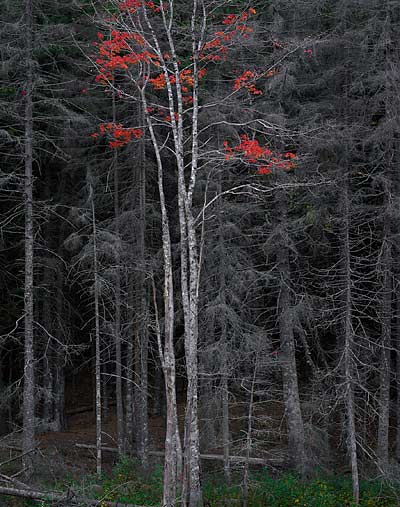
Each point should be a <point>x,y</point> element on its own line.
<point>52,496</point>
<point>15,457</point>
<point>211,457</point>
<point>86,408</point>
<point>17,483</point>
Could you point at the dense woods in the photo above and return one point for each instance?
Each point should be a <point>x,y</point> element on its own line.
<point>199,239</point>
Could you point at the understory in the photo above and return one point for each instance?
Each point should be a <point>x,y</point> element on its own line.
<point>129,485</point>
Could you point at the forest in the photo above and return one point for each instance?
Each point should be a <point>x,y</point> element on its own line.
<point>199,241</point>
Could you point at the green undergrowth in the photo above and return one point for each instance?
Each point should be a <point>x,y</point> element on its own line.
<point>128,484</point>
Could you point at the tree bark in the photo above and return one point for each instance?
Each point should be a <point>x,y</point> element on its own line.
<point>291,395</point>
<point>97,341</point>
<point>117,311</point>
<point>349,341</point>
<point>225,426</point>
<point>29,373</point>
<point>173,451</point>
<point>398,379</point>
<point>385,368</point>
<point>249,436</point>
<point>387,261</point>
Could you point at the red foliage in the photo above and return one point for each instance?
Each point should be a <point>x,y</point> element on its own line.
<point>265,159</point>
<point>132,6</point>
<point>246,80</point>
<point>169,118</point>
<point>230,19</point>
<point>121,135</point>
<point>185,76</point>
<point>264,170</point>
<point>215,49</point>
<point>119,51</point>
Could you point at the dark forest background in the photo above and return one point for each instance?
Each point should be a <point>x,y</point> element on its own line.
<point>299,295</point>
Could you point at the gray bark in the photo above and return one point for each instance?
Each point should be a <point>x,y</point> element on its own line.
<point>349,342</point>
<point>249,436</point>
<point>398,381</point>
<point>173,452</point>
<point>143,330</point>
<point>296,437</point>
<point>384,394</point>
<point>129,374</point>
<point>28,436</point>
<point>117,315</point>
<point>387,261</point>
<point>97,342</point>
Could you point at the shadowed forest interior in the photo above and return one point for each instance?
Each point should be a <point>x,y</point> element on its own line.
<point>199,253</point>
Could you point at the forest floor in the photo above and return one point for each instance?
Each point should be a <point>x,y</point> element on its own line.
<point>59,463</point>
<point>59,460</point>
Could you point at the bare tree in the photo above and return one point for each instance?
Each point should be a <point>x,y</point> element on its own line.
<point>96,292</point>
<point>291,395</point>
<point>29,373</point>
<point>348,351</point>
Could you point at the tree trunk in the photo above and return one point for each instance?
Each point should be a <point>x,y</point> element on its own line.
<point>225,426</point>
<point>296,437</point>
<point>48,359</point>
<point>398,380</point>
<point>129,374</point>
<point>173,451</point>
<point>384,394</point>
<point>117,312</point>
<point>349,341</point>
<point>29,378</point>
<point>387,261</point>
<point>249,436</point>
<point>141,313</point>
<point>190,273</point>
<point>97,343</point>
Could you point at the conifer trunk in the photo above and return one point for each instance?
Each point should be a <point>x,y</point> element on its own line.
<point>98,402</point>
<point>117,315</point>
<point>386,277</point>
<point>28,437</point>
<point>349,341</point>
<point>296,437</point>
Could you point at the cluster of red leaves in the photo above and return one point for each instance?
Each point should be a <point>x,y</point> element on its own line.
<point>169,118</point>
<point>121,136</point>
<point>246,80</point>
<point>186,79</point>
<point>263,157</point>
<point>118,52</point>
<point>215,50</point>
<point>232,19</point>
<point>132,6</point>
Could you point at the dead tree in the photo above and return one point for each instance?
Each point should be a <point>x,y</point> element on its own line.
<point>29,364</point>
